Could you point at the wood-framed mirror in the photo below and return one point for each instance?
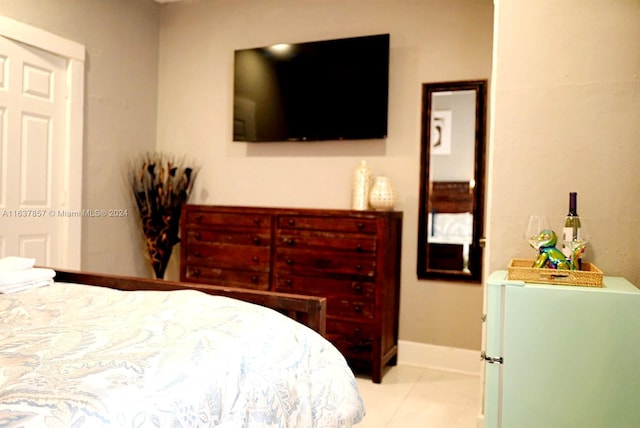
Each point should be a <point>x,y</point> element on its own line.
<point>452,180</point>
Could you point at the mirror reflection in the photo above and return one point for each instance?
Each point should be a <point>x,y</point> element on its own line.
<point>452,181</point>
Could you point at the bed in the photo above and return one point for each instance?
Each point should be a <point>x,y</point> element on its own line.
<point>96,350</point>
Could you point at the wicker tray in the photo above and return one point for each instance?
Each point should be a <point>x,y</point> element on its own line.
<point>589,276</point>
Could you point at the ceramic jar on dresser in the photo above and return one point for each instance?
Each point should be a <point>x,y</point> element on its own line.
<point>350,257</point>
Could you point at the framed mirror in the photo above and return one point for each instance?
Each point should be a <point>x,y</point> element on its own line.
<point>452,181</point>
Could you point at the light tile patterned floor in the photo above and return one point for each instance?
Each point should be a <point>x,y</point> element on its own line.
<point>411,397</point>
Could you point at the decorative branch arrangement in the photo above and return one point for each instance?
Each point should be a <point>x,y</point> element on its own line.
<point>161,184</point>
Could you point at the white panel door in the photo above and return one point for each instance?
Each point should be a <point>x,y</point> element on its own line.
<point>33,94</point>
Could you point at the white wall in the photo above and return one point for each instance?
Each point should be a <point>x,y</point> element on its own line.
<point>459,164</point>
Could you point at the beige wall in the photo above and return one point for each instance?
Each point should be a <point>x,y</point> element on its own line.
<point>566,85</point>
<point>567,118</point>
<point>430,41</point>
<point>121,40</point>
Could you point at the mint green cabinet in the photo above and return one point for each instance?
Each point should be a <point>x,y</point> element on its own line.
<point>562,356</point>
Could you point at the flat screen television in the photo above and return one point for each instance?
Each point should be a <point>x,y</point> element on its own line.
<point>323,90</point>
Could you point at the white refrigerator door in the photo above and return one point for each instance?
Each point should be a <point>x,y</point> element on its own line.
<point>571,356</point>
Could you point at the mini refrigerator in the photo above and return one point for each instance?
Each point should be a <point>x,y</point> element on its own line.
<point>561,356</point>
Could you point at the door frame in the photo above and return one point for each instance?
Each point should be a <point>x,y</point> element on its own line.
<point>74,53</point>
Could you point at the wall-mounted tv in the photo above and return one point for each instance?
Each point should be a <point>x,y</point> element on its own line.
<point>323,90</point>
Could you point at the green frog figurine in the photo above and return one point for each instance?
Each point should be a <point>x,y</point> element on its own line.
<point>550,256</point>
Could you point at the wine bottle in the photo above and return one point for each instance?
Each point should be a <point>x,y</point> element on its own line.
<point>571,229</point>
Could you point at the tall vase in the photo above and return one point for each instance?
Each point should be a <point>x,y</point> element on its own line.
<point>160,255</point>
<point>382,196</point>
<point>360,187</point>
<point>161,230</point>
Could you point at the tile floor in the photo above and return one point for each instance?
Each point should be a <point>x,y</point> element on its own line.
<point>412,397</point>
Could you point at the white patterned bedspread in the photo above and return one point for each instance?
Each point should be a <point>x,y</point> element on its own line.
<point>75,355</point>
<point>450,228</point>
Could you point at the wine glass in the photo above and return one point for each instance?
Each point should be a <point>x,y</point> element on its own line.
<point>535,225</point>
<point>578,246</point>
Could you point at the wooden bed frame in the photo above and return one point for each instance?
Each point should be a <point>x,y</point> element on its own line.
<point>450,197</point>
<point>308,310</point>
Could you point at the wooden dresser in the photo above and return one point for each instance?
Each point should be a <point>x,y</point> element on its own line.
<point>350,257</point>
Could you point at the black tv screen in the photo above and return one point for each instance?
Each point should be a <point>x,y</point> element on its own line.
<point>323,90</point>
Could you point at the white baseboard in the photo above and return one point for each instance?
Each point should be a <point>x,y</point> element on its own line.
<point>439,357</point>
<point>480,421</point>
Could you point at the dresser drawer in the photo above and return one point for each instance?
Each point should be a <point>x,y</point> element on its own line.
<point>354,340</point>
<point>316,240</point>
<point>328,223</point>
<point>317,263</point>
<point>227,219</point>
<point>342,288</point>
<point>352,299</point>
<point>241,257</point>
<point>230,237</point>
<point>350,308</point>
<point>227,277</point>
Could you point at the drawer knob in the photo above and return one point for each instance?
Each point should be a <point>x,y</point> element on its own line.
<point>291,242</point>
<point>289,282</point>
<point>356,330</point>
<point>256,220</point>
<point>255,259</point>
<point>256,240</point>
<point>357,309</point>
<point>358,268</point>
<point>359,248</point>
<point>197,254</point>
<point>360,225</point>
<point>292,222</point>
<point>357,288</point>
<point>198,236</point>
<point>195,272</point>
<point>289,262</point>
<point>254,279</point>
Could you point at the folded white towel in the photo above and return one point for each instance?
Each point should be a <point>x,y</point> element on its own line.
<point>11,263</point>
<point>25,275</point>
<point>14,288</point>
<point>26,278</point>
